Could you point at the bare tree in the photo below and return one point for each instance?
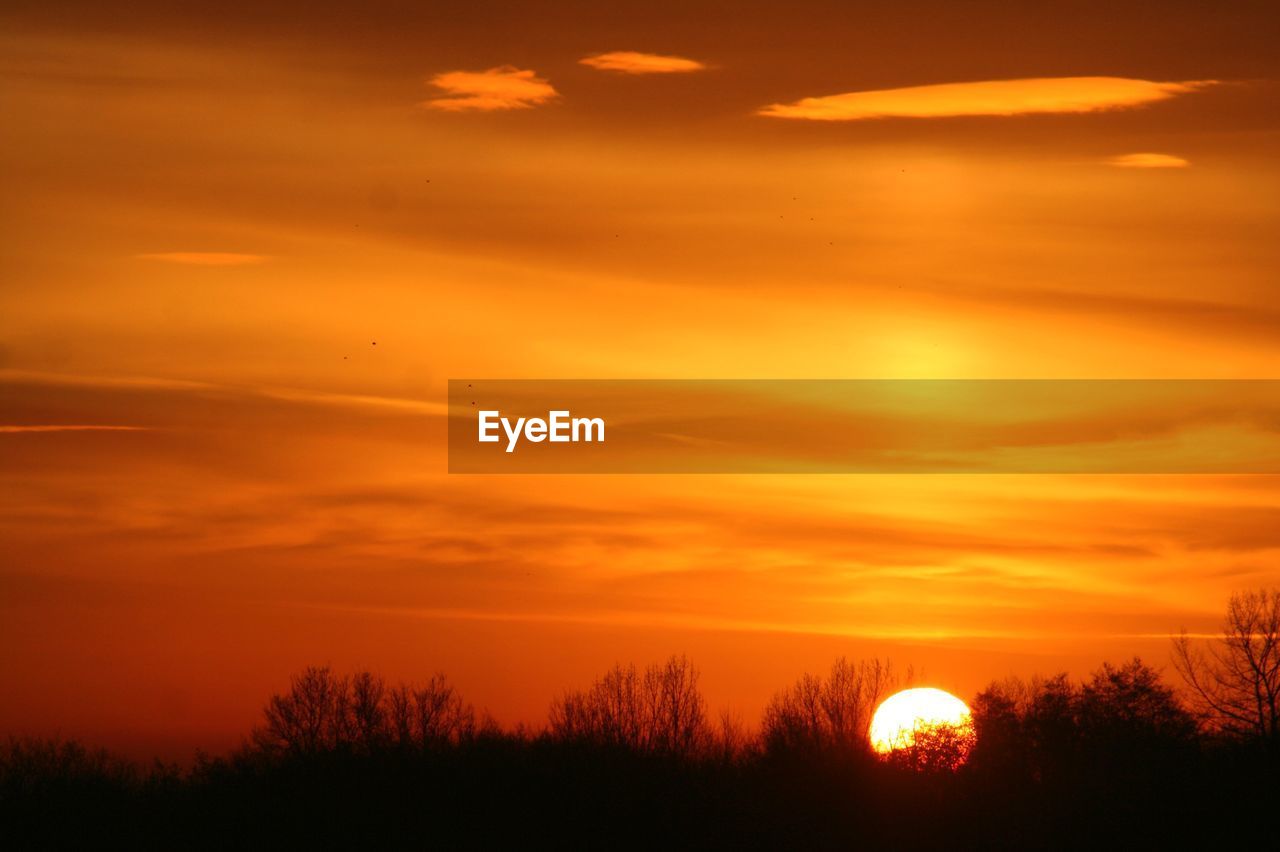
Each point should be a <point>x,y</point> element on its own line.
<point>618,708</point>
<point>430,717</point>
<point>310,717</point>
<point>400,710</point>
<point>1235,681</point>
<point>322,712</point>
<point>609,713</point>
<point>835,712</point>
<point>660,710</point>
<point>440,715</point>
<point>794,720</point>
<point>732,742</point>
<point>30,765</point>
<point>369,720</point>
<point>676,711</point>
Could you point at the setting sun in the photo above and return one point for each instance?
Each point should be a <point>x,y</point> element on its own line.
<point>905,715</point>
<point>505,424</point>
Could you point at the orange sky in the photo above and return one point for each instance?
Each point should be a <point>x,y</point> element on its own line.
<point>210,216</point>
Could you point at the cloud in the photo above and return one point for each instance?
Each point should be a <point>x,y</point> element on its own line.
<point>631,62</point>
<point>506,87</point>
<point>204,258</point>
<point>990,97</point>
<point>1181,316</point>
<point>70,428</point>
<point>1148,161</point>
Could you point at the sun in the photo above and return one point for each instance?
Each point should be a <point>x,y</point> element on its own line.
<point>913,714</point>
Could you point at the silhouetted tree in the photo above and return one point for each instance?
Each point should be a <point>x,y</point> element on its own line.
<point>370,726</point>
<point>354,762</point>
<point>1133,729</point>
<point>1053,737</point>
<point>1000,747</point>
<point>608,713</point>
<point>430,717</point>
<point>33,766</point>
<point>733,743</point>
<point>1122,719</point>
<point>935,748</point>
<point>324,712</point>
<point>310,718</point>
<point>1235,681</point>
<point>1130,704</point>
<point>661,710</point>
<point>831,713</point>
<point>675,712</point>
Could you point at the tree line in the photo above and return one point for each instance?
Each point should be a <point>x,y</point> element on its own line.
<point>1230,691</point>
<point>637,758</point>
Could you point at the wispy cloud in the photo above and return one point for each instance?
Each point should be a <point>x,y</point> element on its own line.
<point>204,258</point>
<point>631,62</point>
<point>990,97</point>
<point>1148,160</point>
<point>157,385</point>
<point>506,87</point>
<point>61,427</point>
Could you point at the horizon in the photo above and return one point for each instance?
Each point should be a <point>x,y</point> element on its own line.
<point>248,247</point>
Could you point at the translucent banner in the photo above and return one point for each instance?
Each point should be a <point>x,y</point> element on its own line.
<point>864,426</point>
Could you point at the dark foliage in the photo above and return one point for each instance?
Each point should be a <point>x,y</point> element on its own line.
<point>633,762</point>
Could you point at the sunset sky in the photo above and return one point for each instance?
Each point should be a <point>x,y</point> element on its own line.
<point>245,249</point>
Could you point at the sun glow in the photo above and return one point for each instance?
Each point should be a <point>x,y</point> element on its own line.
<point>905,716</point>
